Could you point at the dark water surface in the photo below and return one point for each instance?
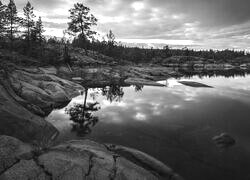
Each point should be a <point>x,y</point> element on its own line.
<point>175,124</point>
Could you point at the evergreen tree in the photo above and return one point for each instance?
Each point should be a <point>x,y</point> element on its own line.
<point>111,38</point>
<point>2,19</point>
<point>12,21</point>
<point>81,21</point>
<point>39,30</point>
<point>28,21</point>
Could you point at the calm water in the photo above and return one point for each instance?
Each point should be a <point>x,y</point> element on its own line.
<point>175,124</point>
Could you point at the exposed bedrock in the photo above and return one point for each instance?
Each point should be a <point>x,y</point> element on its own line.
<point>78,160</point>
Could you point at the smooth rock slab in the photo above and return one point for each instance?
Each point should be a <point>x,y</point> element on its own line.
<point>151,164</point>
<point>139,81</point>
<point>88,160</point>
<point>194,84</point>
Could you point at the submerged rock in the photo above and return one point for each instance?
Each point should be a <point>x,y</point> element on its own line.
<point>86,160</point>
<point>194,84</point>
<point>224,140</point>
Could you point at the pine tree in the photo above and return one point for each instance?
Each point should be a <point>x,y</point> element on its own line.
<point>12,21</point>
<point>39,30</point>
<point>28,22</point>
<point>81,21</point>
<point>111,38</point>
<point>2,19</point>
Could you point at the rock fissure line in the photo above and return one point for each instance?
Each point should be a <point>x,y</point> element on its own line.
<point>50,175</point>
<point>90,165</point>
<point>113,174</point>
<point>9,167</point>
<point>134,159</point>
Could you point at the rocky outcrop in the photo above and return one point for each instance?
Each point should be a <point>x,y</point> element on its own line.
<point>28,94</point>
<point>43,89</point>
<point>18,121</point>
<point>84,160</point>
<point>104,76</point>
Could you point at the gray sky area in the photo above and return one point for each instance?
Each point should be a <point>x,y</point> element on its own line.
<point>205,24</point>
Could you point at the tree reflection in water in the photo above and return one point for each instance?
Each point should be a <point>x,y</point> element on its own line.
<point>82,116</point>
<point>113,92</point>
<point>138,88</point>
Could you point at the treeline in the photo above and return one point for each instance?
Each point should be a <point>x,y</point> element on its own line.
<point>145,55</point>
<point>108,46</point>
<point>25,35</point>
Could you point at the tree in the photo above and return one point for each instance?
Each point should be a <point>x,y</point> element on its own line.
<point>111,38</point>
<point>12,21</point>
<point>81,21</point>
<point>38,31</point>
<point>2,19</point>
<point>28,22</point>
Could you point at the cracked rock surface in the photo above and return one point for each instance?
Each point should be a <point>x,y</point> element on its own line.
<point>81,160</point>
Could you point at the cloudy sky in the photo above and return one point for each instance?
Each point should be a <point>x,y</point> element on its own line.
<point>196,23</point>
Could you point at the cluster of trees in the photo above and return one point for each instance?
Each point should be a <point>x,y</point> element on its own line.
<point>20,33</point>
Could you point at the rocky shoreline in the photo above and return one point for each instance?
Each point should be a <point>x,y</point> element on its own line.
<point>29,94</point>
<point>78,160</point>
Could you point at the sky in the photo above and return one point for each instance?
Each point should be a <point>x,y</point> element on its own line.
<point>199,24</point>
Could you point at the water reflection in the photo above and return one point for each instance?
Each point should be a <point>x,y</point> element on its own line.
<point>177,124</point>
<point>138,88</point>
<point>113,92</point>
<point>201,73</point>
<point>82,116</point>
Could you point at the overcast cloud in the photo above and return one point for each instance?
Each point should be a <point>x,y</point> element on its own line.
<point>198,23</point>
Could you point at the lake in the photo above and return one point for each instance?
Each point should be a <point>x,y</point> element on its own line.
<point>175,124</point>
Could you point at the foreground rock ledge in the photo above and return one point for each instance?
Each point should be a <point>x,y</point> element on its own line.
<point>78,160</point>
